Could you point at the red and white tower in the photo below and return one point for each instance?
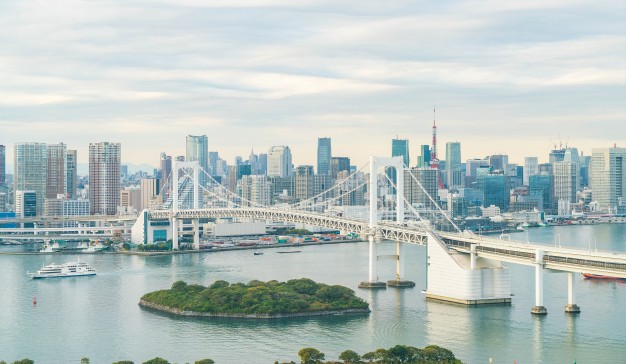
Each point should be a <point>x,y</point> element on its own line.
<point>434,160</point>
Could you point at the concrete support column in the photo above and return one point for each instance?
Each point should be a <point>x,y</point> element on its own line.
<point>473,256</point>
<point>174,233</point>
<point>373,275</point>
<point>539,308</point>
<point>196,182</point>
<point>400,261</point>
<point>571,307</point>
<point>372,281</point>
<point>196,234</point>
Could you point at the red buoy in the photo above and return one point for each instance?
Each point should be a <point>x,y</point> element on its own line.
<point>34,300</point>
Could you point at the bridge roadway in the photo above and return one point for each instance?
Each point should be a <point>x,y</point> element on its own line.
<point>557,259</point>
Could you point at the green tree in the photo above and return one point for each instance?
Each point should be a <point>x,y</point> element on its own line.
<point>311,356</point>
<point>369,357</point>
<point>24,361</point>
<point>204,361</point>
<point>156,360</point>
<point>84,361</point>
<point>124,362</point>
<point>350,357</point>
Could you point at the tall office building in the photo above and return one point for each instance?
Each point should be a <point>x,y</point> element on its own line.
<point>454,176</point>
<point>26,204</point>
<point>324,154</point>
<point>571,155</point>
<point>498,162</point>
<point>400,147</point>
<point>541,185</point>
<point>338,164</point>
<point>255,190</point>
<point>608,178</point>
<point>150,193</point>
<point>262,163</point>
<point>165,162</point>
<point>565,185</point>
<point>424,158</point>
<point>104,177</point>
<point>495,189</point>
<point>556,155</point>
<point>531,168</point>
<point>71,174</point>
<point>279,162</point>
<point>30,165</point>
<point>198,150</point>
<point>414,194</point>
<point>304,182</point>
<point>3,173</point>
<point>56,170</point>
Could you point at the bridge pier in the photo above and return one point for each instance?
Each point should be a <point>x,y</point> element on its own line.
<point>400,282</point>
<point>571,306</point>
<point>196,234</point>
<point>372,281</point>
<point>539,308</point>
<point>174,233</point>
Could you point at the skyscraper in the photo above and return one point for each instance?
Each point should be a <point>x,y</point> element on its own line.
<point>166,176</point>
<point>30,164</point>
<point>71,179</point>
<point>255,190</point>
<point>608,178</point>
<point>424,158</point>
<point>565,185</point>
<point>279,162</point>
<point>531,168</point>
<point>453,161</point>
<point>198,150</point>
<point>541,185</point>
<point>56,170</point>
<point>304,182</point>
<point>3,173</point>
<point>495,189</point>
<point>400,147</point>
<point>150,197</point>
<point>338,164</point>
<point>104,177</point>
<point>324,154</point>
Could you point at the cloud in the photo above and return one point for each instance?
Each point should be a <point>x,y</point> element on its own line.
<point>263,72</point>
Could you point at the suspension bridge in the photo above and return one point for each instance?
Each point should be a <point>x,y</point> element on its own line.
<point>462,267</point>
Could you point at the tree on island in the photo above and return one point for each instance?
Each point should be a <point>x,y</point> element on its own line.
<point>156,360</point>
<point>124,362</point>
<point>311,356</point>
<point>204,361</point>
<point>350,357</point>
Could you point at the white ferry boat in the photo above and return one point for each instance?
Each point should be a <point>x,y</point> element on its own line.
<point>71,269</point>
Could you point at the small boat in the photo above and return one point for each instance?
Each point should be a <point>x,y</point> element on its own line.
<point>291,251</point>
<point>258,253</point>
<point>72,269</point>
<point>93,247</point>
<point>599,276</point>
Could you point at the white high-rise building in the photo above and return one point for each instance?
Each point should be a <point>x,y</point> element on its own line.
<point>104,177</point>
<point>255,190</point>
<point>608,178</point>
<point>30,170</point>
<point>531,168</point>
<point>279,162</point>
<point>565,184</point>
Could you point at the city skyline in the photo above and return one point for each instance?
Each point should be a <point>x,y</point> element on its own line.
<point>254,75</point>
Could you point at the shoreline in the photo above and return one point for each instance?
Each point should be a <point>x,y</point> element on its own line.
<point>178,312</point>
<point>213,250</point>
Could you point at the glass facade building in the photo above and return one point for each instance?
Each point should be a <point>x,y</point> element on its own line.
<point>324,155</point>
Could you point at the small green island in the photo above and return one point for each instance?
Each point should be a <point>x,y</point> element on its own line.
<point>256,299</point>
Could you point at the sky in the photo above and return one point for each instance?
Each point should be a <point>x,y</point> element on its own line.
<point>512,77</point>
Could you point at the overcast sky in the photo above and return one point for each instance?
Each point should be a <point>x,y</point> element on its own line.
<point>506,76</point>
